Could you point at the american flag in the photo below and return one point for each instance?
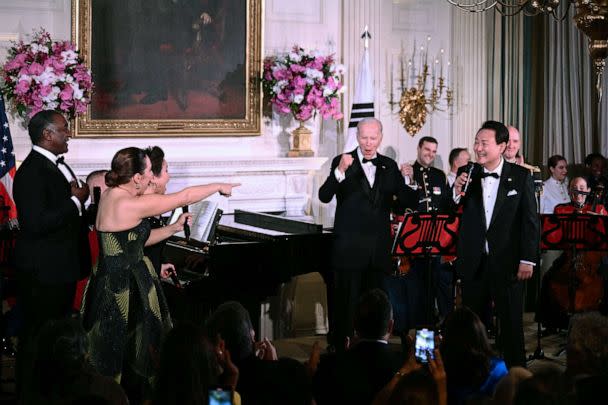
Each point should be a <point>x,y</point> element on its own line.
<point>7,168</point>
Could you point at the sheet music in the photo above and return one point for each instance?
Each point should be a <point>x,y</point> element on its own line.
<point>203,214</point>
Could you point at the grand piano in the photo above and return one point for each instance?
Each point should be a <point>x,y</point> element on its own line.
<point>247,259</point>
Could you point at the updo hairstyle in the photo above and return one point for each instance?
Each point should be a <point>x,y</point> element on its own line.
<point>126,163</point>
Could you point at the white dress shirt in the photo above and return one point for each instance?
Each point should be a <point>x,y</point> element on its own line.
<point>489,188</point>
<point>555,192</point>
<point>451,178</point>
<point>63,169</point>
<point>368,168</point>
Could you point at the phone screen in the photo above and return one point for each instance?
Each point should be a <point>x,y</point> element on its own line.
<point>425,340</point>
<point>220,397</point>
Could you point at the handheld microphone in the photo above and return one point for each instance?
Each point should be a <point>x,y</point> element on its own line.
<point>186,226</point>
<point>96,195</point>
<point>469,169</point>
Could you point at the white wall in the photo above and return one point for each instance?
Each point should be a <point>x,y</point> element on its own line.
<point>328,25</point>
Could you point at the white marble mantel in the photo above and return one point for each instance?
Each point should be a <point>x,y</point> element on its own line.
<point>268,184</point>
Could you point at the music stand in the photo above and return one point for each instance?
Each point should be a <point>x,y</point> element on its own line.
<point>574,232</point>
<point>427,235</point>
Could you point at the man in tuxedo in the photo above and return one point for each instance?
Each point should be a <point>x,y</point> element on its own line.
<point>52,251</point>
<point>365,184</point>
<point>498,238</point>
<point>409,294</point>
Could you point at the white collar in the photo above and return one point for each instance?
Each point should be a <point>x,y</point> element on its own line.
<point>46,153</point>
<point>556,181</point>
<point>360,154</point>
<point>498,169</point>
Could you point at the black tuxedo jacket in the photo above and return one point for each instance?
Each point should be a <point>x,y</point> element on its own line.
<point>362,219</point>
<point>52,243</point>
<point>513,234</point>
<point>357,375</point>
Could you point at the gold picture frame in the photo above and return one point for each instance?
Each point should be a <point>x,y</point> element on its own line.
<point>206,81</point>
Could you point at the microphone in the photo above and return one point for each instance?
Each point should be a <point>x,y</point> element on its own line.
<point>469,169</point>
<point>186,226</point>
<point>96,195</point>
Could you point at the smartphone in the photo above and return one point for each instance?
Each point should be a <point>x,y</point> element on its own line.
<point>220,396</point>
<point>425,341</point>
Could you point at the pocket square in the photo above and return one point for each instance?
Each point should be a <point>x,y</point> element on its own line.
<point>512,192</point>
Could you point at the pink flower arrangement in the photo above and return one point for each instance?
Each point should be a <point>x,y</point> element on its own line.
<point>303,84</point>
<point>46,75</point>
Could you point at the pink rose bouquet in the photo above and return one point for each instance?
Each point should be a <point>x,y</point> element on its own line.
<point>46,75</point>
<point>303,84</point>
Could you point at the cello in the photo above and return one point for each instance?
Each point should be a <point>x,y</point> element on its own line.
<point>573,283</point>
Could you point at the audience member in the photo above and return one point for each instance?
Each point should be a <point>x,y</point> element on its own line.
<point>355,376</point>
<point>472,368</point>
<point>63,374</point>
<point>229,328</point>
<point>188,368</point>
<point>546,387</point>
<point>423,383</point>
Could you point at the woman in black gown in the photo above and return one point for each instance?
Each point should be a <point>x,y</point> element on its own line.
<point>124,310</point>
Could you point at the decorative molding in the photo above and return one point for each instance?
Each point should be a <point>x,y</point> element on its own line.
<point>414,17</point>
<point>8,37</point>
<point>38,5</point>
<point>267,184</point>
<point>310,12</point>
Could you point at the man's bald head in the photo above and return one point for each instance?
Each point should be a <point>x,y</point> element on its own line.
<point>513,145</point>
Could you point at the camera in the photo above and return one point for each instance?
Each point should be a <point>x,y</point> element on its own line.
<point>425,341</point>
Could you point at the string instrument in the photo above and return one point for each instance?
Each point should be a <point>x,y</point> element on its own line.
<point>573,283</point>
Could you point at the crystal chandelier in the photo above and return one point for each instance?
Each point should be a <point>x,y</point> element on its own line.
<point>591,18</point>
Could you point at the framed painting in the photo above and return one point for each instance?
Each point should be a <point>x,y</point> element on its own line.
<point>171,67</point>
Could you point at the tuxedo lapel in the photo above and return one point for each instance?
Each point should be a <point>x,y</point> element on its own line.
<point>44,162</point>
<point>378,179</point>
<point>359,174</point>
<point>503,189</point>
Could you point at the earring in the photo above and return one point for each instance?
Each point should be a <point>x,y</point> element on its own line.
<point>137,186</point>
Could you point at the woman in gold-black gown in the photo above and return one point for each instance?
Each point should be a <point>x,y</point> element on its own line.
<point>124,310</point>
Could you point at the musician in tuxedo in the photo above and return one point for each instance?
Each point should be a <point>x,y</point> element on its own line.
<point>498,238</point>
<point>51,251</point>
<point>366,185</point>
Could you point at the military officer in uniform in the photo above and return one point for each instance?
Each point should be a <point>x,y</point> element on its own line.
<point>409,293</point>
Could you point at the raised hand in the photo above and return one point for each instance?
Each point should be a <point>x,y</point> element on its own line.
<point>265,350</point>
<point>407,170</point>
<point>460,182</point>
<point>345,162</point>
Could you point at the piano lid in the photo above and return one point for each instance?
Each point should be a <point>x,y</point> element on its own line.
<point>266,226</point>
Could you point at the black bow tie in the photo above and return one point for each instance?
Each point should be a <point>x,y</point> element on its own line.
<point>60,160</point>
<point>486,174</point>
<point>373,161</point>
